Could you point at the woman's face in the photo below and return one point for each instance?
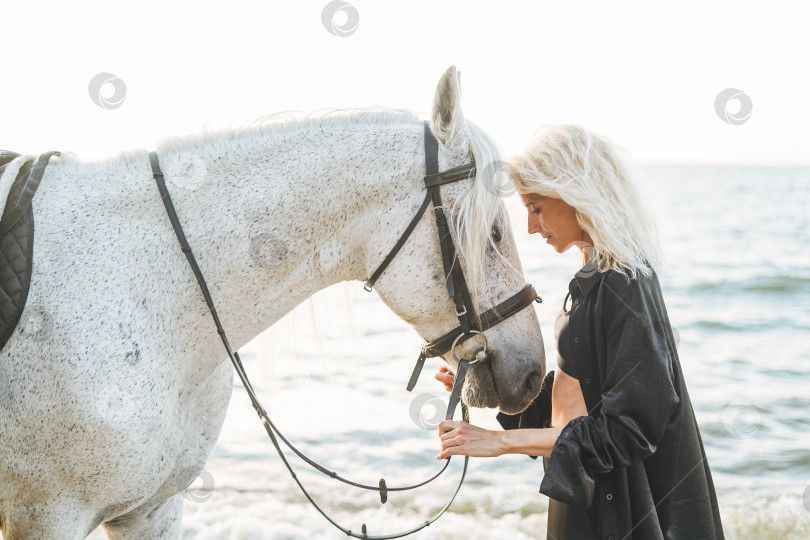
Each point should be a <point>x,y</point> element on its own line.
<point>556,221</point>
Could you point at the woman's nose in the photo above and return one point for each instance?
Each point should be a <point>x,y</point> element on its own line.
<point>534,225</point>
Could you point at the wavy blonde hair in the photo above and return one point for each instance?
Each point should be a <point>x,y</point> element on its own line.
<point>599,179</point>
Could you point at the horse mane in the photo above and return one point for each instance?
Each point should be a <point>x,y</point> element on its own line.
<point>474,212</point>
<point>272,125</point>
<point>283,123</point>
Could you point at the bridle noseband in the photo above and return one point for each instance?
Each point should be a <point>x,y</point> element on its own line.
<point>456,288</point>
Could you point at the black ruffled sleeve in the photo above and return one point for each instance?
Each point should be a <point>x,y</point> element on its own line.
<point>536,415</point>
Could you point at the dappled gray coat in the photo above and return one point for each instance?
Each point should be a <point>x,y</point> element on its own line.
<point>636,462</point>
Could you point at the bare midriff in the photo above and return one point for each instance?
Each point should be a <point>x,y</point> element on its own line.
<point>567,401</point>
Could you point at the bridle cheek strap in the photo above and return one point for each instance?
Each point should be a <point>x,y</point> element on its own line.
<point>456,283</point>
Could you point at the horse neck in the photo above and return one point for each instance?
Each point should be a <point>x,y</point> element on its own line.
<point>271,223</point>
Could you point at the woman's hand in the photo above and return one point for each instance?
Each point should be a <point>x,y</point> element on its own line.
<point>460,438</point>
<point>446,377</point>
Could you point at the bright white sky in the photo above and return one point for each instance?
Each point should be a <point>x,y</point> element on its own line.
<point>644,75</point>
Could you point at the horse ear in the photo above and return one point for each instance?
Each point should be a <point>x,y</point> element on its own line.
<point>447,119</point>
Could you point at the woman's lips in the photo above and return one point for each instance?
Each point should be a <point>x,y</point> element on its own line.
<point>548,240</point>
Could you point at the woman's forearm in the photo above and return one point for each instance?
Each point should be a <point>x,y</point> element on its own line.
<point>532,442</point>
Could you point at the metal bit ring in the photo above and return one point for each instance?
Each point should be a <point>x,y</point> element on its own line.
<point>476,359</point>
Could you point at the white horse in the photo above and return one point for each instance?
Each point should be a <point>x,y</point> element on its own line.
<point>114,386</point>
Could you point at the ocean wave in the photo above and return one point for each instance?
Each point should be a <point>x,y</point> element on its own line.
<point>483,513</point>
<point>785,284</point>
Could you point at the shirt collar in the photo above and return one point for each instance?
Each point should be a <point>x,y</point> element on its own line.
<point>586,277</point>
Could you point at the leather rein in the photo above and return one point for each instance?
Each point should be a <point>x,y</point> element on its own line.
<point>469,324</point>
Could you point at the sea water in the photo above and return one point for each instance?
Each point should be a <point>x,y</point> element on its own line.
<point>332,375</point>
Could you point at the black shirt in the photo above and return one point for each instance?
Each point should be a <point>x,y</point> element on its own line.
<point>636,462</point>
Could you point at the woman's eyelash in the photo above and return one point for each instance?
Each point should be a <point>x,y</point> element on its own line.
<point>533,211</point>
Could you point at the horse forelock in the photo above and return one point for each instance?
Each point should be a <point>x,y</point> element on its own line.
<point>477,210</point>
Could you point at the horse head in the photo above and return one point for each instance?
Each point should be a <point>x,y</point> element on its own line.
<point>414,285</point>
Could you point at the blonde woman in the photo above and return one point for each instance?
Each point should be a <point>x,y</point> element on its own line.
<point>622,454</point>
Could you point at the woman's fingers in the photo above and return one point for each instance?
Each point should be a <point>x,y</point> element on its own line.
<point>450,435</point>
<point>451,442</point>
<point>446,425</point>
<point>449,425</point>
<point>461,438</point>
<point>448,381</point>
<point>445,377</point>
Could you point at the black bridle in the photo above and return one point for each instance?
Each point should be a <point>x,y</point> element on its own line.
<point>456,287</point>
<point>456,283</point>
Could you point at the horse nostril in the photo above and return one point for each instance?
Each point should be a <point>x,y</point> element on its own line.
<point>533,381</point>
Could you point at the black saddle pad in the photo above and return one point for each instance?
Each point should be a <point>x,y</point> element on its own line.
<point>17,240</point>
